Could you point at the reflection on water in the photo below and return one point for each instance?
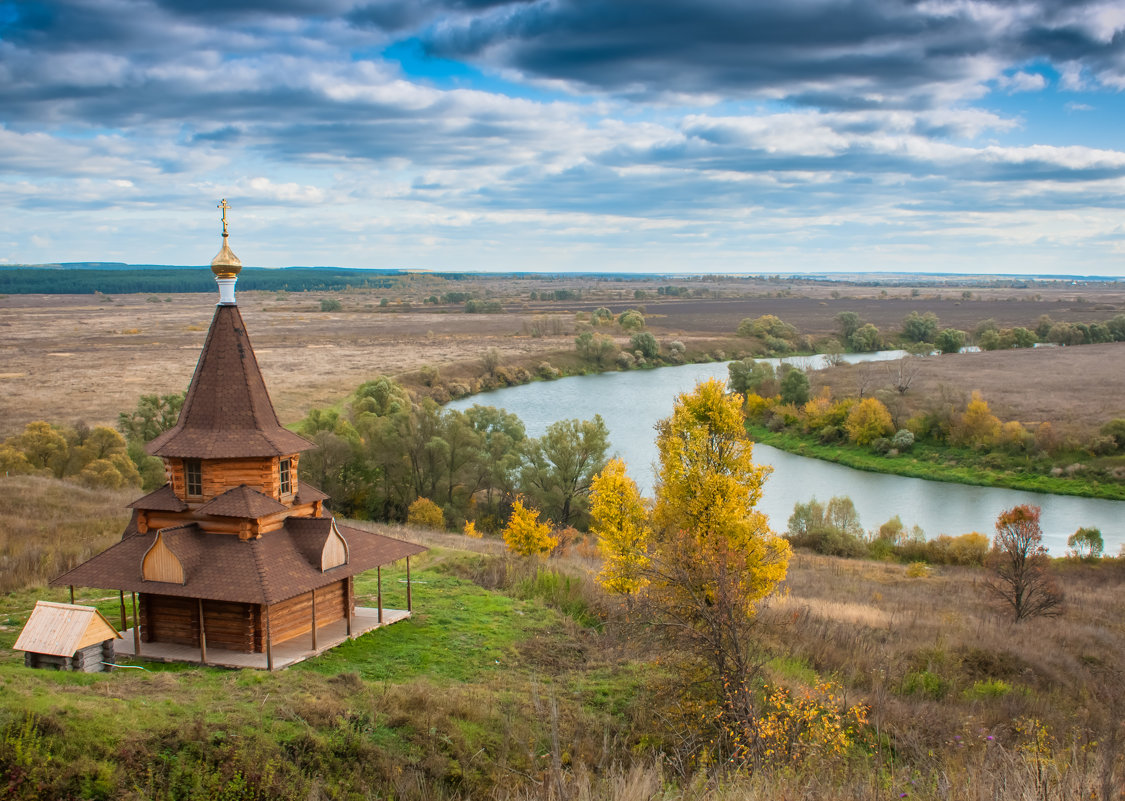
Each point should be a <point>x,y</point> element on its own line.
<point>632,402</point>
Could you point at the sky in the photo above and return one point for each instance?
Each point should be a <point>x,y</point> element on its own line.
<point>672,136</point>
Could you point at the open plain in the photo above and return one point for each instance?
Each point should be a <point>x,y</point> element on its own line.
<point>65,358</point>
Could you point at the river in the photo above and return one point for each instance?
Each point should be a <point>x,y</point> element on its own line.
<point>632,402</point>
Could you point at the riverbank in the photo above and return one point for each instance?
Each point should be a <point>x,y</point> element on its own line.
<point>951,465</point>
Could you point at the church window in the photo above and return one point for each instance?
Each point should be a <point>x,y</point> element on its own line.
<point>193,477</point>
<point>285,467</point>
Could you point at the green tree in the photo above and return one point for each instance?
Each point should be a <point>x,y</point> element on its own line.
<point>560,466</point>
<point>619,520</point>
<point>749,376</point>
<point>597,348</point>
<point>920,327</point>
<point>950,340</point>
<point>832,529</point>
<point>848,322</point>
<point>646,343</point>
<point>631,320</point>
<point>1086,543</point>
<point>714,557</point>
<point>866,339</point>
<point>794,385</point>
<point>154,415</point>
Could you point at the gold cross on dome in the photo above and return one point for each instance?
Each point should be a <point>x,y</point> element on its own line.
<point>224,206</point>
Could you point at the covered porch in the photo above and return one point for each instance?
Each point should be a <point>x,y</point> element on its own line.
<point>278,656</point>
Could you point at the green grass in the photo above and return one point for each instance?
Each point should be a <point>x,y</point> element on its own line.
<point>458,631</point>
<point>956,465</point>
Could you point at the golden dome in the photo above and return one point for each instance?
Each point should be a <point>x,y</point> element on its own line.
<point>226,264</point>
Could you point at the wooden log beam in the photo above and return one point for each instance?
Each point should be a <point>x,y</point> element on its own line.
<point>409,607</point>
<point>269,649</point>
<point>348,604</point>
<point>314,618</point>
<point>202,635</point>
<point>136,629</point>
<point>379,592</point>
<point>124,621</point>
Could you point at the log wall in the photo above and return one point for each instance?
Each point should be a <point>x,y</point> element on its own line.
<point>220,475</point>
<point>293,618</point>
<point>85,660</point>
<point>230,625</point>
<point>167,618</point>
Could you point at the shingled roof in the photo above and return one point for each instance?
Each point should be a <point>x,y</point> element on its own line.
<point>161,500</point>
<point>227,413</point>
<point>222,567</point>
<point>242,501</point>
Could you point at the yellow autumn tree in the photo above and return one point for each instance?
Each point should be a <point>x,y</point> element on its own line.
<point>867,421</point>
<point>977,427</point>
<point>714,557</point>
<point>525,535</point>
<point>619,520</point>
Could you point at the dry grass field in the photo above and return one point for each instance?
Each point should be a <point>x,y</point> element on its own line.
<point>87,357</point>
<point>1075,388</point>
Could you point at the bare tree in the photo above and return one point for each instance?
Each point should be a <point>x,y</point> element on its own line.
<point>1021,581</point>
<point>902,373</point>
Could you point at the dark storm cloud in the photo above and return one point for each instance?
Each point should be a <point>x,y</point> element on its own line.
<point>842,53</point>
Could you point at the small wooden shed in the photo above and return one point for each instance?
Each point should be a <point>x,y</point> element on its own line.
<point>67,637</point>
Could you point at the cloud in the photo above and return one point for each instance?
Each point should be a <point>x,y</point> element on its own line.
<point>1022,82</point>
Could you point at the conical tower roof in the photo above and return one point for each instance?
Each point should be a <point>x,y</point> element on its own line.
<point>227,413</point>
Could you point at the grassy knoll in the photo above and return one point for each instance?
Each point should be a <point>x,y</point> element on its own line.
<point>945,463</point>
<point>514,682</point>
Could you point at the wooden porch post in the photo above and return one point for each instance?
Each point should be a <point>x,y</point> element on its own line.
<point>124,622</point>
<point>136,629</point>
<point>71,593</point>
<point>314,618</point>
<point>408,605</point>
<point>269,649</point>
<point>348,604</point>
<point>379,596</point>
<point>202,635</point>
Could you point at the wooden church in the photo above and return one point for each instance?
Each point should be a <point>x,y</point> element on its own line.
<point>234,553</point>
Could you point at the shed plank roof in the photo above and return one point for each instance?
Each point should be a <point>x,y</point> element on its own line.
<point>61,629</point>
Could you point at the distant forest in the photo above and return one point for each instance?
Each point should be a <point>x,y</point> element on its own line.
<point>114,280</point>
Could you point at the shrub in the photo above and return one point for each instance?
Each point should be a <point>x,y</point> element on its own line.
<point>546,371</point>
<point>646,343</point>
<point>631,320</point>
<point>968,549</point>
<point>989,688</point>
<point>426,514</point>
<point>918,570</point>
<point>925,682</point>
<point>1115,429</point>
<point>903,440</point>
<point>330,305</point>
<point>881,445</point>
